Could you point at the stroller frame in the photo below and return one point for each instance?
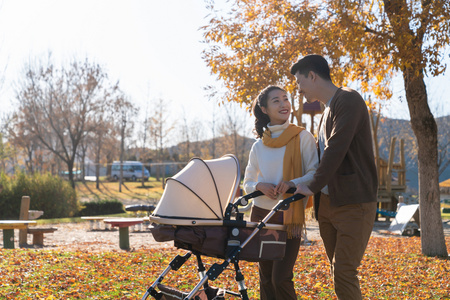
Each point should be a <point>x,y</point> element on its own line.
<point>233,250</point>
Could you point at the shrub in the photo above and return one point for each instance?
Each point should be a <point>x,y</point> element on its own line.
<point>102,207</point>
<point>48,193</point>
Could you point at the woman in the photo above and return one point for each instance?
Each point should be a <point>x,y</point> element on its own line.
<point>283,156</point>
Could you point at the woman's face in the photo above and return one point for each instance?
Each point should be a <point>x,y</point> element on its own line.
<point>278,107</point>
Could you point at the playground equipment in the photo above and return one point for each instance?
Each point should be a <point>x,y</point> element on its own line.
<point>391,177</point>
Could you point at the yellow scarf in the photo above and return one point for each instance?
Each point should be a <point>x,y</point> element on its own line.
<point>294,217</point>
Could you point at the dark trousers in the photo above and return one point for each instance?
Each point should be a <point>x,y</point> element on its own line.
<point>345,231</point>
<point>275,277</point>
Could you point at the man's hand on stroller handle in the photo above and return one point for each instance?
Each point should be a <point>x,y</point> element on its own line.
<point>303,189</point>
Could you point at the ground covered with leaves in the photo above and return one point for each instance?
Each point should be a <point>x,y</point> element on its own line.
<point>393,268</point>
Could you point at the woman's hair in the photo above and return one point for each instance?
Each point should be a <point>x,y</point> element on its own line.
<point>262,119</point>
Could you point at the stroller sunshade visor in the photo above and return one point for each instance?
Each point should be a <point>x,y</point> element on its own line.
<point>201,190</point>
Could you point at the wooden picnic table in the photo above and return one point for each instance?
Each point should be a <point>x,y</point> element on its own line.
<point>124,224</point>
<point>8,227</point>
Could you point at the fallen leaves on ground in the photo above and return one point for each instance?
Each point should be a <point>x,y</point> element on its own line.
<point>393,268</point>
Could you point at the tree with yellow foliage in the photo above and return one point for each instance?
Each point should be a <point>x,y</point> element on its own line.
<point>366,42</point>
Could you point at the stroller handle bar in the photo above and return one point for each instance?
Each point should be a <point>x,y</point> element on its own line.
<point>243,201</point>
<point>284,204</point>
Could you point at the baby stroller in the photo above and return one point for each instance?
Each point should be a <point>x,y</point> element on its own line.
<point>196,211</point>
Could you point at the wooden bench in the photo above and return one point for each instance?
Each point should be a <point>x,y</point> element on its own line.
<point>8,227</point>
<point>37,232</point>
<point>124,224</point>
<point>94,222</point>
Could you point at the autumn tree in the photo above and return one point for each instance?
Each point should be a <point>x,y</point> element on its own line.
<point>185,137</point>
<point>124,113</point>
<point>103,136</point>
<point>7,151</point>
<point>213,128</point>
<point>366,43</point>
<point>144,135</point>
<point>160,129</point>
<point>197,132</point>
<point>56,106</point>
<point>234,129</point>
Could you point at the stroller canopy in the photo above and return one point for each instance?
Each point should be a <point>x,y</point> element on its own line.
<point>201,190</point>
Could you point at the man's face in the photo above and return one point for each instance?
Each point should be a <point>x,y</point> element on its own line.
<point>305,86</point>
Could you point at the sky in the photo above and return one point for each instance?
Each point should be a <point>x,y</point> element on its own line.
<point>152,47</point>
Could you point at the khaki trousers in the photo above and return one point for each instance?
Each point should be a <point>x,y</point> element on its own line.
<point>345,231</point>
<point>275,277</point>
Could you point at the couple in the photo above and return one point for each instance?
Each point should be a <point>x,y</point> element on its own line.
<point>340,170</point>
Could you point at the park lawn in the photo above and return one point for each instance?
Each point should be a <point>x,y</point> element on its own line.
<point>392,268</point>
<point>108,190</point>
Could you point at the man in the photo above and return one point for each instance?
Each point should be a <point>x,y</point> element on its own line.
<point>346,176</point>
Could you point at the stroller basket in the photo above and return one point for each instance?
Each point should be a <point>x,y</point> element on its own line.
<point>203,219</point>
<point>214,241</point>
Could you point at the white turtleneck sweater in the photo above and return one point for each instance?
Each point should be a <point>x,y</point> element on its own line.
<point>265,164</point>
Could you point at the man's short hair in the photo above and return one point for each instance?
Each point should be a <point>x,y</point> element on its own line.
<point>312,62</point>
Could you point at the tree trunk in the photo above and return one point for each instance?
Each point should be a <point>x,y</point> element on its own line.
<point>122,149</point>
<point>425,130</point>
<point>97,167</point>
<point>70,169</point>
<point>143,174</point>
<point>83,165</point>
<point>30,161</point>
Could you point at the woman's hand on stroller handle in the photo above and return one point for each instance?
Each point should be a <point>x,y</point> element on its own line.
<point>259,193</point>
<point>268,189</point>
<point>283,187</point>
<point>274,191</point>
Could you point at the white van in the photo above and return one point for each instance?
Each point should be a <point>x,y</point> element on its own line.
<point>131,170</point>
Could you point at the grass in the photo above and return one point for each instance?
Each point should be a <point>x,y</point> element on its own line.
<point>149,193</point>
<point>392,268</point>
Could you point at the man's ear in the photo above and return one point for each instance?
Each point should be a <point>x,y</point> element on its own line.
<point>312,75</point>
